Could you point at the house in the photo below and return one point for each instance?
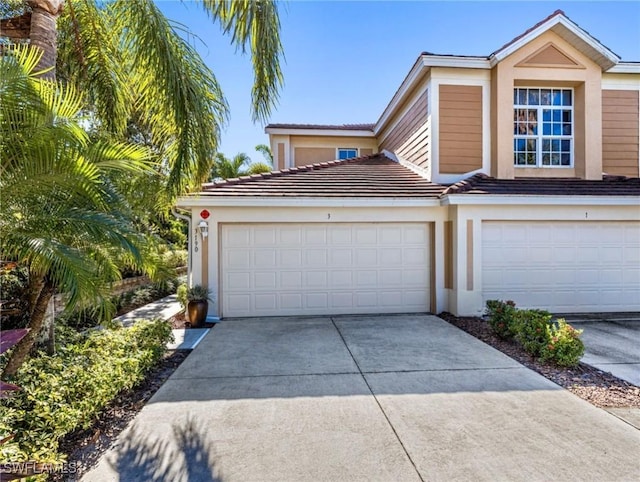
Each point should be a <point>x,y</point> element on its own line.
<point>511,176</point>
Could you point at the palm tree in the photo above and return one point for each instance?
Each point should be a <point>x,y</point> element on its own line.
<point>61,217</point>
<point>225,168</point>
<point>131,63</point>
<point>266,152</point>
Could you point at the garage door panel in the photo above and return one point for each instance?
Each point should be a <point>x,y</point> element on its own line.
<point>563,266</point>
<point>325,269</point>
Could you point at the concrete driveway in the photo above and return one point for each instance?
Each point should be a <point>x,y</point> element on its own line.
<point>386,398</point>
<point>612,343</point>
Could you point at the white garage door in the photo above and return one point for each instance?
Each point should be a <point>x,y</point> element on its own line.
<point>563,266</point>
<point>294,269</point>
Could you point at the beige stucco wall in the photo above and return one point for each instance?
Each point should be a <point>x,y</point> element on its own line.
<point>325,147</point>
<point>584,76</point>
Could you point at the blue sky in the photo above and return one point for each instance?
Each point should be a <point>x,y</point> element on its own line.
<point>344,60</point>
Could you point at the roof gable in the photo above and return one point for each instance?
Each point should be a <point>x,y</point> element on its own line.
<point>560,24</point>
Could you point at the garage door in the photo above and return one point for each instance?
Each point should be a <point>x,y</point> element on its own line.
<point>563,266</point>
<point>305,269</point>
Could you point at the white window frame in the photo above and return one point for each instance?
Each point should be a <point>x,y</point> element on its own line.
<point>347,149</point>
<point>540,135</point>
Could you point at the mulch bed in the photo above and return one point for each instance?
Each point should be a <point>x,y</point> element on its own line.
<point>599,388</point>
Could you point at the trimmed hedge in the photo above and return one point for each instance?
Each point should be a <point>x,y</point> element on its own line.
<point>66,391</point>
<point>554,341</point>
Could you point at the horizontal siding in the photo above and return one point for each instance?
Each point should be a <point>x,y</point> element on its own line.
<point>620,124</point>
<point>409,137</point>
<point>460,128</point>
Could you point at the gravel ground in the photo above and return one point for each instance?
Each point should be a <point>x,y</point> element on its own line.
<point>599,388</point>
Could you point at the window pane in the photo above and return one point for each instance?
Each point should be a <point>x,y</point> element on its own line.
<point>565,159</point>
<point>557,116</point>
<point>546,159</point>
<point>557,129</point>
<point>566,129</point>
<point>545,97</point>
<point>522,96</point>
<point>555,145</point>
<point>555,159</point>
<point>521,144</point>
<point>534,97</point>
<point>566,116</point>
<point>566,145</point>
<point>557,98</point>
<point>531,159</point>
<point>566,97</point>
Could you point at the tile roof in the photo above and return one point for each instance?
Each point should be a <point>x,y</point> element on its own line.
<point>609,186</point>
<point>341,127</point>
<point>370,177</point>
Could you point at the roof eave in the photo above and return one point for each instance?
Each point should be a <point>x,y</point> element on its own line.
<point>531,199</point>
<point>301,131</point>
<point>204,199</point>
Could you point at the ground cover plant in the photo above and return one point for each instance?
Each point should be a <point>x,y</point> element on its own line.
<point>66,391</point>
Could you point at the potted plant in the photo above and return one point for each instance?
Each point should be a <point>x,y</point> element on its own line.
<point>197,306</point>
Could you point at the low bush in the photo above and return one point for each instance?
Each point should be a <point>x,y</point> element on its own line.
<point>63,392</point>
<point>563,345</point>
<point>531,329</point>
<point>501,317</point>
<point>90,317</point>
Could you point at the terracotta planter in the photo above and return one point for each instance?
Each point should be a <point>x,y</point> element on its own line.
<point>197,312</point>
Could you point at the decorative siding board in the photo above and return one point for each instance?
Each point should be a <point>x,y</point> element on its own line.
<point>620,139</point>
<point>409,138</point>
<point>460,135</point>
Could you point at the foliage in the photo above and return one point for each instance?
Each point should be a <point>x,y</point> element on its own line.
<point>90,316</point>
<point>259,168</point>
<point>181,293</point>
<point>531,329</point>
<point>198,293</point>
<point>240,165</point>
<point>501,317</point>
<point>563,344</point>
<point>143,77</point>
<point>61,218</point>
<point>14,281</point>
<point>266,152</point>
<point>66,391</point>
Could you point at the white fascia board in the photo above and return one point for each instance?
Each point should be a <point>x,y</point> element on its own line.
<point>456,61</point>
<point>407,84</point>
<point>566,23</point>
<point>290,201</point>
<point>625,68</point>
<point>319,132</point>
<point>504,199</point>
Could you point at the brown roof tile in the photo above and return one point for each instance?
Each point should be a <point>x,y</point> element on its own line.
<point>340,127</point>
<point>372,177</point>
<point>609,186</point>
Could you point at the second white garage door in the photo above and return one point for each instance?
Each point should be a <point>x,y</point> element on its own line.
<point>563,266</point>
<point>309,269</point>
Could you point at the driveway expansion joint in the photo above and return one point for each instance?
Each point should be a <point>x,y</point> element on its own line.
<point>384,414</point>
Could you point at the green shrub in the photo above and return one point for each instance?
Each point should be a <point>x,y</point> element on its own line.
<point>564,346</point>
<point>531,329</point>
<point>501,317</point>
<point>181,293</point>
<point>67,390</point>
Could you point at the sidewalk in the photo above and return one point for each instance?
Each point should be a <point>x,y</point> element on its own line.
<point>165,309</point>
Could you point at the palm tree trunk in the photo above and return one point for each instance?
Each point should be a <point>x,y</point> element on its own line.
<point>44,33</point>
<point>21,350</point>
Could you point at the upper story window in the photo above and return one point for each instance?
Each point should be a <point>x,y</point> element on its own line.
<point>347,152</point>
<point>543,127</point>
